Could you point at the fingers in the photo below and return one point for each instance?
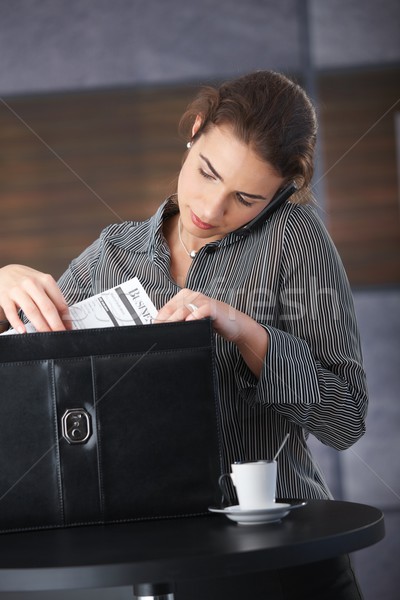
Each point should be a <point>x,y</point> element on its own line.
<point>11,315</point>
<point>53,305</point>
<point>200,312</point>
<point>42,303</point>
<point>186,306</point>
<point>37,295</point>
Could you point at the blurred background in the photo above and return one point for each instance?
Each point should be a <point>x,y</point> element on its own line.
<point>91,92</point>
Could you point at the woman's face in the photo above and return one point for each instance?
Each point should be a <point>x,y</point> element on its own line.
<point>222,185</point>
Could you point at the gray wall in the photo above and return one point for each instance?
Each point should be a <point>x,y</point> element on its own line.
<point>369,472</point>
<point>349,33</point>
<point>67,44</point>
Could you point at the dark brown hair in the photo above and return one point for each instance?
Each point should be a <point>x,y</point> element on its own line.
<point>267,111</point>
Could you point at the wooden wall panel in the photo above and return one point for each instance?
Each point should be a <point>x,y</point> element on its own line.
<point>72,163</point>
<point>357,114</point>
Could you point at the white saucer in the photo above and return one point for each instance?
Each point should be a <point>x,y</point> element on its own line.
<point>270,514</point>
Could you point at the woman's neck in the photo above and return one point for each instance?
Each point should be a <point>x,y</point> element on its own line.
<point>180,261</point>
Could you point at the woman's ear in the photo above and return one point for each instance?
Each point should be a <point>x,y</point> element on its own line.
<point>196,125</point>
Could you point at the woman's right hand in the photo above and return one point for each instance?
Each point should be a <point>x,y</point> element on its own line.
<point>37,294</point>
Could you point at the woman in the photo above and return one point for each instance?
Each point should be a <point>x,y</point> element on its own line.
<point>287,345</point>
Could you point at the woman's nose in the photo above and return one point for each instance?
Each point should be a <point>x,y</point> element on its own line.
<point>214,207</point>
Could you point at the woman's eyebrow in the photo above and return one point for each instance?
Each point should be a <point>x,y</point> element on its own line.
<point>253,196</point>
<point>218,176</point>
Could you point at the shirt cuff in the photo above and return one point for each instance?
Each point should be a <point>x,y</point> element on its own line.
<point>289,374</point>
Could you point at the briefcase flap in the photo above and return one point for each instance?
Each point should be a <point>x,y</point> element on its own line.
<point>108,425</point>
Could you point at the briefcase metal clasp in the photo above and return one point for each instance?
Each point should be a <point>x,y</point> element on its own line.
<point>76,426</point>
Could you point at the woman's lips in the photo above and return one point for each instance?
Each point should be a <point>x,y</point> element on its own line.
<point>199,223</point>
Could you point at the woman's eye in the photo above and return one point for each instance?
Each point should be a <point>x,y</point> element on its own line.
<point>238,196</point>
<point>206,175</point>
<point>243,201</point>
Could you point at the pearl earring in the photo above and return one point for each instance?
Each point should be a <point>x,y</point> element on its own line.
<point>189,145</point>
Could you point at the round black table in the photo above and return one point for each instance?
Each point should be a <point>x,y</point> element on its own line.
<point>152,555</point>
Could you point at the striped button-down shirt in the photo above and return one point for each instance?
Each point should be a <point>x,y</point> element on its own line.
<point>288,276</point>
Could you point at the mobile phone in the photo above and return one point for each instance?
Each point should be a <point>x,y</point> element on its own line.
<point>279,198</point>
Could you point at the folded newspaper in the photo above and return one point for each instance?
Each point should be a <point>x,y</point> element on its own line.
<point>125,304</point>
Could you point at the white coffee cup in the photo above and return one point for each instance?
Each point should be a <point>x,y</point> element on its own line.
<point>255,483</point>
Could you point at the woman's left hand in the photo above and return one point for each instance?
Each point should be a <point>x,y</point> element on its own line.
<point>233,325</point>
<point>190,306</point>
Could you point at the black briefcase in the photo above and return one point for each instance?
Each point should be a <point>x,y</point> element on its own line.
<point>108,425</point>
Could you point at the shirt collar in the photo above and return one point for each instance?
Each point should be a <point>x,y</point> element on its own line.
<point>143,236</point>
<point>155,238</point>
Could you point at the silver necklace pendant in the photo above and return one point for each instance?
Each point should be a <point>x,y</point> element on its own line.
<point>191,253</point>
